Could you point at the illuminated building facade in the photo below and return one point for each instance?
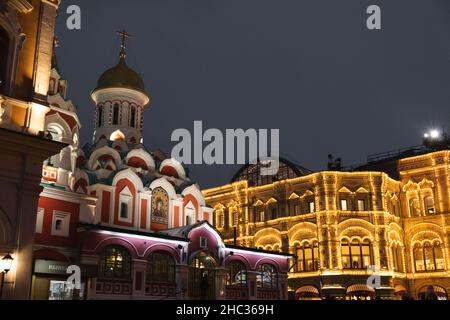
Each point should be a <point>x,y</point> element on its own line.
<point>337,224</point>
<point>132,219</point>
<point>26,44</point>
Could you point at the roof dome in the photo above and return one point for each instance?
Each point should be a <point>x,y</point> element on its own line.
<point>121,76</point>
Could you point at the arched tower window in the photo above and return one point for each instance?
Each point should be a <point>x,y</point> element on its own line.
<point>115,114</point>
<point>4,54</point>
<point>133,117</point>
<point>100,116</point>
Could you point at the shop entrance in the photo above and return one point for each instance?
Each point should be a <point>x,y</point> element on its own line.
<point>202,277</point>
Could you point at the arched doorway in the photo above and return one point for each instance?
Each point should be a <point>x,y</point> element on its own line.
<point>438,292</point>
<point>202,277</point>
<point>4,55</point>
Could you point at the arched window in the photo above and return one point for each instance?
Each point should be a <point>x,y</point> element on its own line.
<point>397,257</point>
<point>100,116</point>
<point>428,257</point>
<point>266,277</point>
<point>4,54</point>
<point>115,262</point>
<point>133,117</point>
<point>115,114</point>
<point>429,205</point>
<point>236,274</point>
<point>160,267</point>
<point>414,208</point>
<point>308,257</point>
<point>356,254</point>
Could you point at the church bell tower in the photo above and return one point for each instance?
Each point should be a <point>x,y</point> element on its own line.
<point>120,99</point>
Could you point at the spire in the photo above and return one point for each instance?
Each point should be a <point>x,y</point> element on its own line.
<point>123,34</point>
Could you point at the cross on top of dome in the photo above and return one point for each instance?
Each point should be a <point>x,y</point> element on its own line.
<point>123,34</point>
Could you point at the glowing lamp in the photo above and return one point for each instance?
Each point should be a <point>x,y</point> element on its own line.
<point>6,263</point>
<point>434,134</point>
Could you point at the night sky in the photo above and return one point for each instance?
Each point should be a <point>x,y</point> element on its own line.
<point>310,68</point>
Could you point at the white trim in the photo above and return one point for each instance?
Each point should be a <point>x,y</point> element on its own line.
<point>125,197</point>
<point>126,235</point>
<point>39,220</point>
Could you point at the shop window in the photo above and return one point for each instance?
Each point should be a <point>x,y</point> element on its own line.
<point>115,262</point>
<point>356,254</point>
<point>236,274</point>
<point>160,268</point>
<point>428,257</point>
<point>308,257</point>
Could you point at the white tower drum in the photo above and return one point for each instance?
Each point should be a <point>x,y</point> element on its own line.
<point>120,99</point>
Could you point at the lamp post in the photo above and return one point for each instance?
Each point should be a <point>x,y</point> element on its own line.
<point>5,266</point>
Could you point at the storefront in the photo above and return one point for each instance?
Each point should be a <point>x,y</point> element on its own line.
<point>50,282</point>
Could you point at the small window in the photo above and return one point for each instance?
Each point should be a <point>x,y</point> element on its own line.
<point>261,216</point>
<point>60,224</point>
<point>361,205</point>
<point>344,206</point>
<point>124,210</point>
<point>115,114</point>
<point>274,213</point>
<point>203,242</point>
<point>188,220</point>
<point>311,207</point>
<point>429,205</point>
<point>133,117</point>
<point>297,210</point>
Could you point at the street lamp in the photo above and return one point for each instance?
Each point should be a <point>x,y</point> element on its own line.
<point>5,267</point>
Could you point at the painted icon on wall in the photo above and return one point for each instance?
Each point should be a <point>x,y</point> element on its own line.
<point>160,206</point>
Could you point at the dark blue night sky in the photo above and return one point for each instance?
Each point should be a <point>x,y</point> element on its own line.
<point>308,67</point>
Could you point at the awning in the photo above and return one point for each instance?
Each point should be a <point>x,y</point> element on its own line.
<point>399,290</point>
<point>359,287</point>
<point>307,289</point>
<point>438,290</point>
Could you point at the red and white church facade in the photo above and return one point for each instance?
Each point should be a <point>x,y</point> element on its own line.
<point>132,219</point>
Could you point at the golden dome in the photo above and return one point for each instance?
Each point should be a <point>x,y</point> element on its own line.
<point>121,76</point>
